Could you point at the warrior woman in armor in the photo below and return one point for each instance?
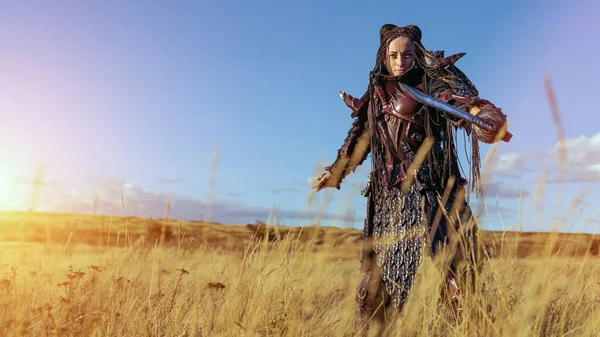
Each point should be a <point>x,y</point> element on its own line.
<point>404,189</point>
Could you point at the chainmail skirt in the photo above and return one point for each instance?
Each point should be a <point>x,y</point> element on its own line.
<point>399,237</point>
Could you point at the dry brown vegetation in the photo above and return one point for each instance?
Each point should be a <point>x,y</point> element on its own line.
<point>74,275</point>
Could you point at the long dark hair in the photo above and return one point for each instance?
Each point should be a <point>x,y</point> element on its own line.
<point>431,65</point>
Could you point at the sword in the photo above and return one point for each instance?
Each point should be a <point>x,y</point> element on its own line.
<point>450,109</point>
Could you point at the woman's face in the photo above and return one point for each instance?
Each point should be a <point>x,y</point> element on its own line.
<point>400,56</point>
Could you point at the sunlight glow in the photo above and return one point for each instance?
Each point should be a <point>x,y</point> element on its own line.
<point>6,186</point>
<point>12,190</point>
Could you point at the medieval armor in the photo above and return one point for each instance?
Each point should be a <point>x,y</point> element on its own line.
<point>392,126</point>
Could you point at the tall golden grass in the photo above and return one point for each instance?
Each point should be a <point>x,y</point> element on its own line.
<point>76,275</point>
<point>157,281</point>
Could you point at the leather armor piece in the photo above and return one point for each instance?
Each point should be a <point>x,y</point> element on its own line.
<point>363,309</point>
<point>402,125</point>
<point>352,102</point>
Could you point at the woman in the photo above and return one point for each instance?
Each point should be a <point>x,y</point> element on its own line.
<point>402,207</point>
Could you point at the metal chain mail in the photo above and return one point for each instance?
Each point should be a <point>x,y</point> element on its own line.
<point>399,238</point>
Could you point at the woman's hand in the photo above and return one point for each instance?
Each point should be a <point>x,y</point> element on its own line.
<point>495,117</point>
<point>322,181</point>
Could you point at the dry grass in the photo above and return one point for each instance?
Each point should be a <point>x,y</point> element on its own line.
<point>76,275</point>
<point>155,278</point>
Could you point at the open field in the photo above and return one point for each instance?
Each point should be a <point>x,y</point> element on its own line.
<point>75,275</point>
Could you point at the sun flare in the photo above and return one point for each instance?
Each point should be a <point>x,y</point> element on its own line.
<point>6,186</point>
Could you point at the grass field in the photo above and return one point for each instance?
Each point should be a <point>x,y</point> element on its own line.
<point>78,275</point>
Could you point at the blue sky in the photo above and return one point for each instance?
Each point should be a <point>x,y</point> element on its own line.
<point>130,98</point>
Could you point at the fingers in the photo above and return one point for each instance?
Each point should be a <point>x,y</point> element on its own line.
<point>321,181</point>
<point>318,185</point>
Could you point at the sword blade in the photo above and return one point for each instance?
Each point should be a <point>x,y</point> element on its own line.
<point>450,109</point>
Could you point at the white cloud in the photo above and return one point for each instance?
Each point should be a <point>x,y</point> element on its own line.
<point>498,189</point>
<point>106,192</point>
<point>581,150</point>
<point>582,159</point>
<point>510,164</point>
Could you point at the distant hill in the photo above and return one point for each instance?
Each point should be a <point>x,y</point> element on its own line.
<point>100,230</point>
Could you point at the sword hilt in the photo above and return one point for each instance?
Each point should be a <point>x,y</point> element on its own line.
<point>490,128</point>
<point>452,110</point>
